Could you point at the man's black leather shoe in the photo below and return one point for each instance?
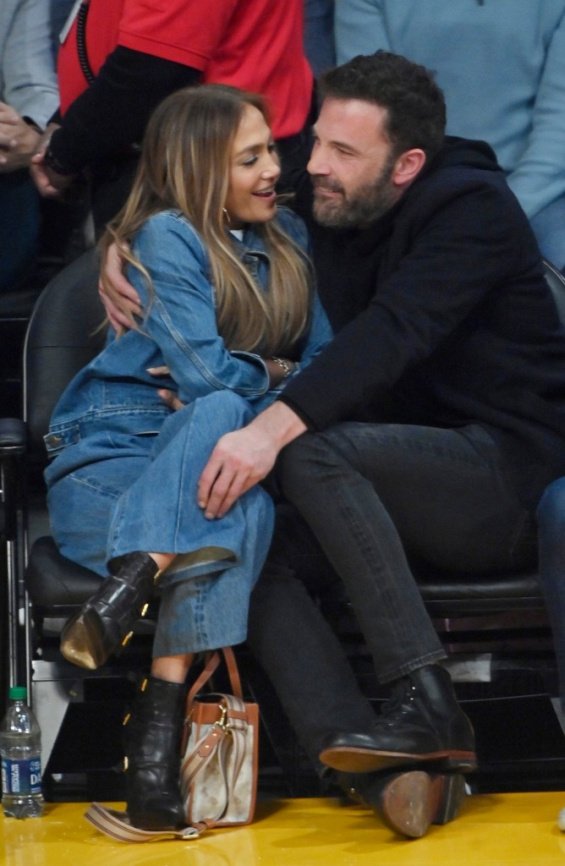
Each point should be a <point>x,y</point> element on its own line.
<point>421,722</point>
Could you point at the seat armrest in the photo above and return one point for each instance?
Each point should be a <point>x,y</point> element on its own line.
<point>13,436</point>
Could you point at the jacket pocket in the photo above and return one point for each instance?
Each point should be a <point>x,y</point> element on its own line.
<point>61,437</point>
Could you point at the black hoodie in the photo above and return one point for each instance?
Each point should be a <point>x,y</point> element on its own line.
<point>444,319</point>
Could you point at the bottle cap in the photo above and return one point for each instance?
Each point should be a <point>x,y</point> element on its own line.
<point>17,693</point>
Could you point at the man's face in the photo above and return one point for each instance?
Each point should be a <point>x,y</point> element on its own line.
<point>352,164</point>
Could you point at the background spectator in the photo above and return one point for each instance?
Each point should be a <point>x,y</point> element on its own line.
<point>501,66</point>
<point>139,52</point>
<point>319,42</point>
<point>28,98</point>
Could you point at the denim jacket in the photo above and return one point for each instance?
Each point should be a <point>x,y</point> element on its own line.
<point>179,330</point>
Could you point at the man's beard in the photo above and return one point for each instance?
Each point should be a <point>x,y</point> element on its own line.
<point>361,208</point>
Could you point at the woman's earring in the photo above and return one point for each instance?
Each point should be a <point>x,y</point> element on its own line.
<point>227,216</point>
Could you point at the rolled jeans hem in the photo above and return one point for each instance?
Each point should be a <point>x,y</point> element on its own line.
<point>403,670</point>
<point>162,649</point>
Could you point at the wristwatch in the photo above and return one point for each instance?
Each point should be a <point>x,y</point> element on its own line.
<point>286,366</point>
<point>55,165</point>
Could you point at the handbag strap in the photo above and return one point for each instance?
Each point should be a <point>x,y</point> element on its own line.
<point>233,725</point>
<point>233,672</point>
<point>115,824</point>
<point>238,742</point>
<point>212,663</point>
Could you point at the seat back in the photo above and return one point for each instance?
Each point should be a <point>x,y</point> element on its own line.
<point>64,333</point>
<point>62,336</point>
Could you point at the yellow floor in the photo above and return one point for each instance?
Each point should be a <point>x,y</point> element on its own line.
<point>518,829</point>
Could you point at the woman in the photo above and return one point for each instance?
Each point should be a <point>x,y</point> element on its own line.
<point>229,310</point>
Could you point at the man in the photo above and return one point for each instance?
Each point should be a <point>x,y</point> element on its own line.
<point>428,428</point>
<point>449,369</point>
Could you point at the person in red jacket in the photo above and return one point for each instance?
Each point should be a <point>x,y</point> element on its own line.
<point>120,58</point>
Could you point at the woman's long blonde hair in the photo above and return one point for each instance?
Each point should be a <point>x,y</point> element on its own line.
<point>185,165</point>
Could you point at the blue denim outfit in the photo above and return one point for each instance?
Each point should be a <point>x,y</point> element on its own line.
<point>126,468</point>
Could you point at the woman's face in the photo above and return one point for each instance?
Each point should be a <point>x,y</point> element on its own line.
<point>254,171</point>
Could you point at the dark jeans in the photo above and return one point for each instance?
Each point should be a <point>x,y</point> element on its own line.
<point>294,644</point>
<point>376,494</point>
<point>371,493</point>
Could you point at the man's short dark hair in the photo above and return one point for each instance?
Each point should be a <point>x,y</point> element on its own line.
<point>414,103</point>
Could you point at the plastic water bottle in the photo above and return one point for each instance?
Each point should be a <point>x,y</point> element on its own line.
<point>20,749</point>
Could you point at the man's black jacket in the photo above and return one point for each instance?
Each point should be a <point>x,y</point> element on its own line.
<point>443,318</point>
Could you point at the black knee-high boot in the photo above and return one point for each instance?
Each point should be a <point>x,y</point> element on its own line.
<point>153,736</point>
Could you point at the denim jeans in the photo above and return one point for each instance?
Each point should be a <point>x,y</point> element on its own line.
<point>376,495</point>
<point>113,493</point>
<point>551,536</point>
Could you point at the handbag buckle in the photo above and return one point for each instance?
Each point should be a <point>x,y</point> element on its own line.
<point>223,721</point>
